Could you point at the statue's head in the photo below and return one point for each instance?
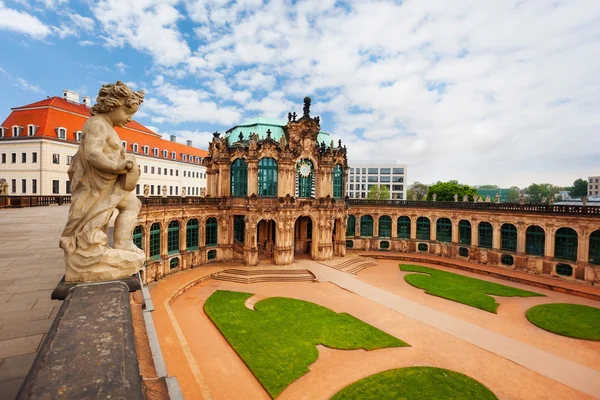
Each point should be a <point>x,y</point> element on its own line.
<point>119,101</point>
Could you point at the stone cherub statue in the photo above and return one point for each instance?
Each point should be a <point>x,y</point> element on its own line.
<point>146,190</point>
<point>103,177</point>
<point>183,192</point>
<point>3,187</point>
<point>164,190</point>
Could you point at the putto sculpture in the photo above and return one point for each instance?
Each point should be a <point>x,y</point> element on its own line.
<point>103,177</point>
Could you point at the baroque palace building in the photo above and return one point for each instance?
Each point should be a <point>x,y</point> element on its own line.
<point>38,141</point>
<point>276,192</point>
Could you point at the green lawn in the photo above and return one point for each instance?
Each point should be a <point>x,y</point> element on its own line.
<point>470,291</point>
<point>416,383</point>
<point>573,320</point>
<point>277,341</point>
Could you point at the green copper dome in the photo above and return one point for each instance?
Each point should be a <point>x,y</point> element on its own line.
<point>260,126</point>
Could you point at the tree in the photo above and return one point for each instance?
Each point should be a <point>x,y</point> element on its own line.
<point>513,195</point>
<point>579,189</point>
<point>446,190</point>
<point>537,192</point>
<point>377,192</point>
<point>419,189</point>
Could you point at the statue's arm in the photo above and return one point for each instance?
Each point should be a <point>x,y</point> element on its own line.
<point>95,140</point>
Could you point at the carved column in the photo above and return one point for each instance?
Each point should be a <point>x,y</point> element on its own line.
<point>496,236</point>
<point>583,245</point>
<point>474,233</point>
<point>549,245</point>
<point>147,240</point>
<point>454,231</point>
<point>164,244</point>
<point>182,236</point>
<point>394,233</point>
<point>376,225</point>
<point>413,227</point>
<point>433,229</point>
<point>521,230</point>
<point>202,232</point>
<point>252,177</point>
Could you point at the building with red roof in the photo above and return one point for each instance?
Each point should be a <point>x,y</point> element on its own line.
<point>38,141</point>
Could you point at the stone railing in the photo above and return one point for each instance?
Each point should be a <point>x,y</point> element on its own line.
<point>32,201</point>
<point>587,210</point>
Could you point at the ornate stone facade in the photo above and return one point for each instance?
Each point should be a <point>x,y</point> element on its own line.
<point>279,195</point>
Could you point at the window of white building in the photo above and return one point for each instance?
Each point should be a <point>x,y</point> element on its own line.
<point>78,136</point>
<point>165,154</point>
<point>61,133</point>
<point>124,144</point>
<point>135,147</point>
<point>146,149</point>
<point>31,130</point>
<point>155,152</point>
<point>173,155</point>
<point>16,130</point>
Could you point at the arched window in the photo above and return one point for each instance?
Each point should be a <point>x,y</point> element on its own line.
<point>366,226</point>
<point>191,235</point>
<point>239,178</point>
<point>385,226</point>
<point>155,241</point>
<point>444,230</point>
<point>486,234</point>
<point>338,182</point>
<point>508,237</point>
<point>135,147</point>
<point>464,231</point>
<point>594,254</point>
<point>423,228</point>
<point>211,232</point>
<point>403,227</point>
<point>267,177</point>
<point>565,244</point>
<point>304,178</point>
<point>535,240</point>
<point>138,237</point>
<point>350,228</point>
<point>173,237</point>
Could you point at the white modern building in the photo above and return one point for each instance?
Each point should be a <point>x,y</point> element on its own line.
<point>39,140</point>
<point>364,174</point>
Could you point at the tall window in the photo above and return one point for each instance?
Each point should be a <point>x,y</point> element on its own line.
<point>338,182</point>
<point>137,237</point>
<point>464,232</point>
<point>55,187</point>
<point>191,234</point>
<point>23,185</point>
<point>211,232</point>
<point>366,226</point>
<point>508,237</point>
<point>173,237</point>
<point>34,186</point>
<point>486,234</point>
<point>403,227</point>
<point>351,227</point>
<point>385,226</point>
<point>594,254</point>
<point>238,228</point>
<point>565,244</point>
<point>423,228</point>
<point>444,230</point>
<point>155,241</point>
<point>304,176</point>
<point>239,178</point>
<point>535,240</point>
<point>267,177</point>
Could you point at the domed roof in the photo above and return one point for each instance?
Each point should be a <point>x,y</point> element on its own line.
<point>260,126</point>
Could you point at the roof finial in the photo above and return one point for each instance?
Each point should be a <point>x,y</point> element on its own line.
<point>268,134</point>
<point>241,137</point>
<point>307,107</point>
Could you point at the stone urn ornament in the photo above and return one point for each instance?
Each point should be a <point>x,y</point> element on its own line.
<point>434,197</point>
<point>103,176</point>
<point>455,197</point>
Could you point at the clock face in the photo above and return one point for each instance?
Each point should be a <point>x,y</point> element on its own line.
<point>304,170</point>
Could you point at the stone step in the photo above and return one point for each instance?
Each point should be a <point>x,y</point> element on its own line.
<point>264,275</point>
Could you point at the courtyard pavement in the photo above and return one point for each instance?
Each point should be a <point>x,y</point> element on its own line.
<point>31,265</point>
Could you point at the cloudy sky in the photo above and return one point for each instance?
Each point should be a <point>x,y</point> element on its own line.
<point>487,92</point>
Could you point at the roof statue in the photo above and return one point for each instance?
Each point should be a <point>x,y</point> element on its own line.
<point>455,197</point>
<point>3,187</point>
<point>103,176</point>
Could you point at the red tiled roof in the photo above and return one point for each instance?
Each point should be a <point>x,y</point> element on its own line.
<point>54,112</point>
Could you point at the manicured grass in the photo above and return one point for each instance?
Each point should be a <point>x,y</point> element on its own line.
<point>470,291</point>
<point>573,320</point>
<point>416,383</point>
<point>277,341</point>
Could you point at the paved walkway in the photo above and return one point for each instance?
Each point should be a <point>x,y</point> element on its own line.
<point>31,264</point>
<point>577,376</point>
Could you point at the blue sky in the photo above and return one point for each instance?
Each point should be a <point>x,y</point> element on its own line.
<point>501,91</point>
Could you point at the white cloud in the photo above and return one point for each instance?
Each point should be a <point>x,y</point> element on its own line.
<point>149,27</point>
<point>22,22</point>
<point>81,22</point>
<point>52,3</point>
<point>121,67</point>
<point>23,84</point>
<point>85,43</point>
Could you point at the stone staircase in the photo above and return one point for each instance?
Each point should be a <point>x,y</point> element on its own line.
<point>354,265</point>
<point>264,275</point>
